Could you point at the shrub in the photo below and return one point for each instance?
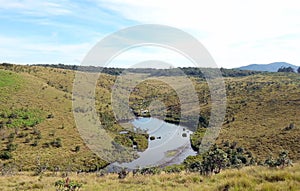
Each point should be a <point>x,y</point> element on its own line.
<point>50,116</point>
<point>283,159</point>
<point>67,185</point>
<point>35,143</point>
<point>11,147</point>
<point>123,173</point>
<point>77,148</point>
<point>5,155</point>
<point>194,166</point>
<point>240,149</point>
<point>290,127</point>
<point>56,143</point>
<point>150,171</point>
<point>174,169</point>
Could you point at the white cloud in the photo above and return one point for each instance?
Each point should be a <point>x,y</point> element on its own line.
<point>232,30</point>
<point>35,7</point>
<point>14,50</point>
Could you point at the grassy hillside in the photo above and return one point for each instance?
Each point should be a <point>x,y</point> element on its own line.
<point>259,110</point>
<point>38,100</point>
<point>38,128</point>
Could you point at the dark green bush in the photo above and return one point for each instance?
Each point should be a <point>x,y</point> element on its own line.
<point>5,155</point>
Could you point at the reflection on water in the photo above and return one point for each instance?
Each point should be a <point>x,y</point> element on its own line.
<point>168,144</point>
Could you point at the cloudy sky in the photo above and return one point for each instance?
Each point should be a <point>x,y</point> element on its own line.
<point>235,32</point>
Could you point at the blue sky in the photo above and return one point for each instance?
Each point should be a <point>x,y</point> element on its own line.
<point>236,33</point>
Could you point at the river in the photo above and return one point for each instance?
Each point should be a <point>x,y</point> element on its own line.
<point>167,144</point>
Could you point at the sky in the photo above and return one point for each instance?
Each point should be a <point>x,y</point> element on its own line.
<point>236,33</point>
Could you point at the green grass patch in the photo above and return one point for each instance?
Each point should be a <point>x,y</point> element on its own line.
<point>9,83</point>
<point>20,118</point>
<point>8,79</point>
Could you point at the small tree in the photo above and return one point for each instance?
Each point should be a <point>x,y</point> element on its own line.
<point>270,162</point>
<point>123,173</point>
<point>283,160</point>
<point>298,70</point>
<point>214,161</point>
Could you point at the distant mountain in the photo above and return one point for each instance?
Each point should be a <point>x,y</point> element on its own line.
<point>273,67</point>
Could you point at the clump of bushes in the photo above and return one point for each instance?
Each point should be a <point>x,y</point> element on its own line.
<point>218,158</point>
<point>67,185</point>
<point>177,168</point>
<point>147,171</point>
<point>282,160</point>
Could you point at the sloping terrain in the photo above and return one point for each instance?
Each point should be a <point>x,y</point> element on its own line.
<point>52,140</point>
<point>262,115</point>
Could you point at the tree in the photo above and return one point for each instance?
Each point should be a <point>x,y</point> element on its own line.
<point>214,161</point>
<point>123,173</point>
<point>286,69</point>
<point>298,70</point>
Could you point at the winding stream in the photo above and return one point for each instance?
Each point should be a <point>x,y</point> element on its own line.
<point>171,144</point>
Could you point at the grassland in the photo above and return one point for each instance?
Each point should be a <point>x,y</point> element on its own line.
<point>37,122</point>
<point>259,108</point>
<point>53,109</point>
<point>246,179</point>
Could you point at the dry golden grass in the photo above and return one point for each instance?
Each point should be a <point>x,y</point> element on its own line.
<point>35,93</point>
<point>245,179</point>
<point>259,108</point>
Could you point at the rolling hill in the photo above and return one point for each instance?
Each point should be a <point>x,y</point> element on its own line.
<point>38,127</point>
<point>272,67</point>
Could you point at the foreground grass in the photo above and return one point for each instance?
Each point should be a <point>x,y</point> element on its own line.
<point>248,178</point>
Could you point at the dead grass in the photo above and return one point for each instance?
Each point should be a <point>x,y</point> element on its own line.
<point>247,178</point>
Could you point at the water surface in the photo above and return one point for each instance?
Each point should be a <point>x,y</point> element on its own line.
<point>171,144</point>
